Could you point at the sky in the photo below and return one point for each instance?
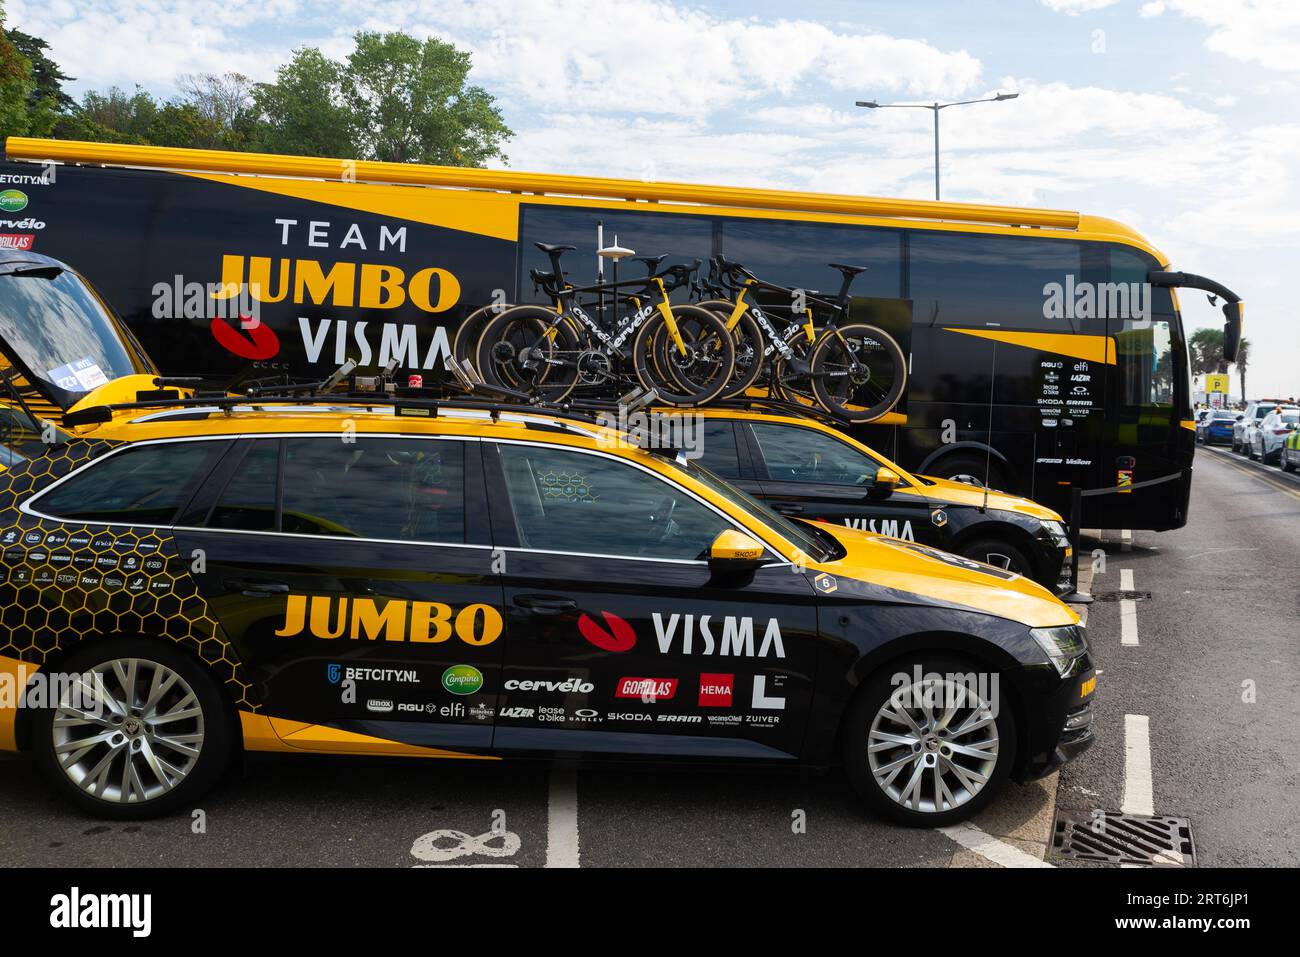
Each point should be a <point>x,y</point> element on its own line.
<point>1177,117</point>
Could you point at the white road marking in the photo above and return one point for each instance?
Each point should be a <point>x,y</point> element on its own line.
<point>562,820</point>
<point>1138,797</point>
<point>990,848</point>
<point>1128,614</point>
<point>1126,539</point>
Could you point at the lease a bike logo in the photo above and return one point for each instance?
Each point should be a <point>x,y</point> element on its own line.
<point>614,635</point>
<point>254,342</point>
<point>365,619</point>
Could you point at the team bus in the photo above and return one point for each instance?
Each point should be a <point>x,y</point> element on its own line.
<point>1046,353</point>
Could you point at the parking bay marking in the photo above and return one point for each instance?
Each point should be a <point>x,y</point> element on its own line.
<point>990,848</point>
<point>1128,616</point>
<point>1138,796</point>
<point>562,820</point>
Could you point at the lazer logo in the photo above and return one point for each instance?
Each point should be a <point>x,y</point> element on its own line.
<point>364,619</point>
<point>882,526</point>
<point>737,638</point>
<point>615,635</point>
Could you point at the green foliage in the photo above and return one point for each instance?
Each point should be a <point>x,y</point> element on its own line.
<point>302,113</point>
<point>1206,351</point>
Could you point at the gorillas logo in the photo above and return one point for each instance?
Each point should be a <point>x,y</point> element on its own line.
<point>615,635</point>
<point>257,341</point>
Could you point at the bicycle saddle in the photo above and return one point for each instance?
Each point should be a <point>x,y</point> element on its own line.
<point>848,271</point>
<point>651,263</point>
<point>549,249</point>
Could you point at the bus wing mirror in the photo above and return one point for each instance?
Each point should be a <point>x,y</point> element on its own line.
<point>1233,314</point>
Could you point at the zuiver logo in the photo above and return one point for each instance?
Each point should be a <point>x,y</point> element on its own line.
<point>396,620</point>
<point>77,910</point>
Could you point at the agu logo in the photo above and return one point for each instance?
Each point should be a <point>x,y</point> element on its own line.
<point>615,635</point>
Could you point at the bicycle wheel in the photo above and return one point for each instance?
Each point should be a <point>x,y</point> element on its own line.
<point>469,332</point>
<point>749,345</point>
<point>791,381</point>
<point>693,374</point>
<point>526,350</point>
<point>858,372</point>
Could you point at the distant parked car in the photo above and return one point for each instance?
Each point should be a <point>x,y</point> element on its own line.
<point>1253,415</point>
<point>1266,438</point>
<point>1289,458</point>
<point>1215,426</point>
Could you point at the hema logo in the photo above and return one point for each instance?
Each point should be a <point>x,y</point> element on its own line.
<point>76,910</point>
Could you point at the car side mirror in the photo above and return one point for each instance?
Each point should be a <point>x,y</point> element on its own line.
<point>734,552</point>
<point>886,481</point>
<point>1240,417</point>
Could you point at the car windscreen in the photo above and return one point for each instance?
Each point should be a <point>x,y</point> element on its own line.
<point>1223,416</point>
<point>804,537</point>
<point>64,335</point>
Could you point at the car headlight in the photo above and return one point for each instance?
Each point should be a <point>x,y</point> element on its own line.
<point>1061,645</point>
<point>1059,533</point>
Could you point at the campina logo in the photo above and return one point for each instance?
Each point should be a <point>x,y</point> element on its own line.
<point>615,635</point>
<point>462,679</point>
<point>13,200</point>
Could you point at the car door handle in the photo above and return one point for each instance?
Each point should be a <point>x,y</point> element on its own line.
<point>545,604</point>
<point>256,587</point>
<point>787,508</point>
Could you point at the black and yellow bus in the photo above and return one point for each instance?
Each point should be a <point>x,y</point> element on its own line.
<point>1046,351</point>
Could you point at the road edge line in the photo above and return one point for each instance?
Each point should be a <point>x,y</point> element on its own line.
<point>990,848</point>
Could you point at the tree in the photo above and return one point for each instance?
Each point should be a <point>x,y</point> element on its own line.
<point>302,112</point>
<point>1206,351</point>
<point>1243,359</point>
<point>224,104</point>
<point>112,117</point>
<point>410,102</point>
<point>47,78</point>
<point>16,85</point>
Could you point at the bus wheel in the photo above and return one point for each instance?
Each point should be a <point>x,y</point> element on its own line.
<point>144,733</point>
<point>971,468</point>
<point>999,554</point>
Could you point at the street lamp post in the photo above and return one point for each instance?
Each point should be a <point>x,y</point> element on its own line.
<point>935,108</point>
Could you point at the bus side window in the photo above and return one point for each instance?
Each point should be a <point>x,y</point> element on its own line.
<point>1146,358</point>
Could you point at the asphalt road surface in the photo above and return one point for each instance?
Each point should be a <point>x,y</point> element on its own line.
<point>1195,719</point>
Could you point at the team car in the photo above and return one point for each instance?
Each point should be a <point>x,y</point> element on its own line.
<point>188,578</point>
<point>804,467</point>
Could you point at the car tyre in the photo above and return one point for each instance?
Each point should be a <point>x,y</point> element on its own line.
<point>897,779</point>
<point>968,467</point>
<point>999,554</point>
<point>174,759</point>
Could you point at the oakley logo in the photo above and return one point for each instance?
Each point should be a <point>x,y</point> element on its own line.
<point>615,635</point>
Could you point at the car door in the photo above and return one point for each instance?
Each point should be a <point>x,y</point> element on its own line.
<point>619,637</point>
<point>352,574</point>
<point>805,473</point>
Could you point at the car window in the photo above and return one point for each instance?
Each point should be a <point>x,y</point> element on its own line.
<point>385,488</point>
<point>144,485</point>
<point>248,500</point>
<point>567,501</point>
<point>719,449</point>
<point>795,454</point>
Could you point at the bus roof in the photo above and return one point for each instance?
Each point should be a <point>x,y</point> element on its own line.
<point>915,212</point>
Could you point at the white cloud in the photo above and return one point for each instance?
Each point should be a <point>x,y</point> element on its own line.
<point>1266,32</point>
<point>1075,7</point>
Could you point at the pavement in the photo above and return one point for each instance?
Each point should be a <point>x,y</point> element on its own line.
<point>1195,718</point>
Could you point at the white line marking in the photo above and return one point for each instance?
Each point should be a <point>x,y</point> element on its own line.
<point>1126,536</point>
<point>562,820</point>
<point>990,848</point>
<point>1128,613</point>
<point>1138,798</point>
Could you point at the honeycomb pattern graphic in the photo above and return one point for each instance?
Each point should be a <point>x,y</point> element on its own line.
<point>62,581</point>
<point>565,486</point>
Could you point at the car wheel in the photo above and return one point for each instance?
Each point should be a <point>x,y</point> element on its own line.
<point>1000,554</point>
<point>143,732</point>
<point>933,751</point>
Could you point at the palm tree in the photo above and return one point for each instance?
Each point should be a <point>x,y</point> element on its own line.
<point>1243,358</point>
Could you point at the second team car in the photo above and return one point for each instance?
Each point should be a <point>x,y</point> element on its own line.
<point>1268,437</point>
<point>806,468</point>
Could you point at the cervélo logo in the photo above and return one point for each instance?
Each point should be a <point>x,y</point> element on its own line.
<point>615,635</point>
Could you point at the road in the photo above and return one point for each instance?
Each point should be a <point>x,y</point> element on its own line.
<point>1211,661</point>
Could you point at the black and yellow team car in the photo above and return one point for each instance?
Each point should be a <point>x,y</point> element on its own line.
<point>398,577</point>
<point>806,468</point>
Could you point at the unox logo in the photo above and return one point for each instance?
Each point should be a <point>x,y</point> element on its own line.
<point>615,635</point>
<point>255,341</point>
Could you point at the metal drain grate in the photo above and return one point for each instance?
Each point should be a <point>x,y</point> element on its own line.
<point>1121,596</point>
<point>1109,837</point>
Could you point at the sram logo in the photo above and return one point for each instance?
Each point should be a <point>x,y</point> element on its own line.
<point>396,620</point>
